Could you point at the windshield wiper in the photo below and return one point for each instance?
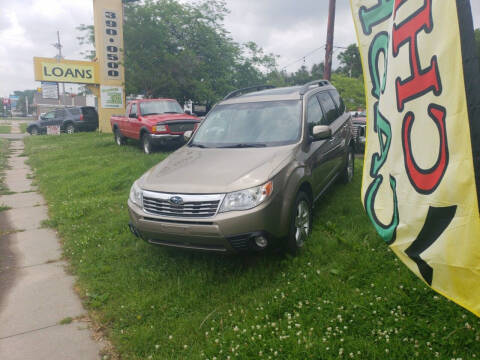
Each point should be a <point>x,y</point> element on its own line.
<point>172,112</point>
<point>242,145</point>
<point>151,114</point>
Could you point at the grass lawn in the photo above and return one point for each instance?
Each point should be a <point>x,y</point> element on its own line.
<point>23,128</point>
<point>3,165</point>
<point>4,129</point>
<point>345,296</point>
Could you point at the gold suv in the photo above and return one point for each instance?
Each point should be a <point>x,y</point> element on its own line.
<point>249,175</point>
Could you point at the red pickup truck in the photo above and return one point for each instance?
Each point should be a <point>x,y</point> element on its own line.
<point>154,122</point>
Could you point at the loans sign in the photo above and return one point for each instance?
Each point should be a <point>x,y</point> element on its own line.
<point>68,71</point>
<point>419,182</point>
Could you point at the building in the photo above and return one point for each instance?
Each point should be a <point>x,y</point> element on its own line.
<point>44,105</point>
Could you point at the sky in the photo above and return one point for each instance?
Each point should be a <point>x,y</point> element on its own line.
<point>289,28</point>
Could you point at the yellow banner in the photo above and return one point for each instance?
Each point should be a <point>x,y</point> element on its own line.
<point>68,71</point>
<point>419,187</point>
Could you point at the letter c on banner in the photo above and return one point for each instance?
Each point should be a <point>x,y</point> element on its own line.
<point>426,181</point>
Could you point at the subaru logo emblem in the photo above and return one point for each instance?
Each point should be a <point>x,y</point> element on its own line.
<point>176,200</point>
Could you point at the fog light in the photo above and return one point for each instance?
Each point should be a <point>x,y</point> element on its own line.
<point>261,242</point>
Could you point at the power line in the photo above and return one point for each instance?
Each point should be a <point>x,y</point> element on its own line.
<point>309,54</point>
<point>303,57</point>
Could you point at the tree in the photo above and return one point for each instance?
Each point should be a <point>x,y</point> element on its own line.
<point>350,62</point>
<point>22,103</point>
<point>183,51</point>
<point>351,90</point>
<point>318,70</point>
<point>88,38</point>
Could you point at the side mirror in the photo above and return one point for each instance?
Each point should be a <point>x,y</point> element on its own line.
<point>132,116</point>
<point>321,132</point>
<point>188,112</point>
<point>42,118</point>
<point>187,135</point>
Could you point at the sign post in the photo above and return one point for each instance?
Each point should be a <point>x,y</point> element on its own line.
<point>108,16</point>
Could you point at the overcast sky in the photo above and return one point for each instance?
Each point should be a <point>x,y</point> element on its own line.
<point>289,28</point>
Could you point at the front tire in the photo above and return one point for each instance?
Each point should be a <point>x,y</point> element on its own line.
<point>119,138</point>
<point>300,224</point>
<point>146,144</point>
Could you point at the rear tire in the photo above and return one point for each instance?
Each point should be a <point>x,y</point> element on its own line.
<point>349,170</point>
<point>34,131</point>
<point>70,129</point>
<point>146,143</point>
<point>300,224</point>
<point>119,138</point>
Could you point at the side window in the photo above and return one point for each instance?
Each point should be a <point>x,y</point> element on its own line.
<point>50,115</point>
<point>133,110</point>
<point>60,114</point>
<point>328,106</point>
<point>314,114</point>
<point>338,101</point>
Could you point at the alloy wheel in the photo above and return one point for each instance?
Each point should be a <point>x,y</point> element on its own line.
<point>70,129</point>
<point>302,223</point>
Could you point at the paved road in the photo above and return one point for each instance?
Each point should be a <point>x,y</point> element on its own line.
<point>35,291</point>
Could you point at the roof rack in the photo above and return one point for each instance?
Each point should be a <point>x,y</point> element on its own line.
<point>307,86</point>
<point>247,89</point>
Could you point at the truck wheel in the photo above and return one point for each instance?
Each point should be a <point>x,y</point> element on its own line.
<point>146,143</point>
<point>34,131</point>
<point>349,170</point>
<point>300,223</point>
<point>70,129</point>
<point>119,138</point>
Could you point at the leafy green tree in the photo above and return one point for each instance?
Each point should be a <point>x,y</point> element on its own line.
<point>317,71</point>
<point>352,91</point>
<point>182,50</point>
<point>22,103</point>
<point>350,61</point>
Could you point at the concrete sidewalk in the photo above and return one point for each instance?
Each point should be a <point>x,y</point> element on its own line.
<point>36,294</point>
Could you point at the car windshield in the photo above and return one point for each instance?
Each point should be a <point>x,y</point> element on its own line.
<point>160,107</point>
<point>269,123</point>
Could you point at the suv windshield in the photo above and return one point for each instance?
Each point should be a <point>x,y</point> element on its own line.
<point>160,107</point>
<point>255,124</point>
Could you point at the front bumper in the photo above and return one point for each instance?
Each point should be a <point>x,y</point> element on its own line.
<point>230,232</point>
<point>164,138</point>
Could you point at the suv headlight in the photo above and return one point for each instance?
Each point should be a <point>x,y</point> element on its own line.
<point>136,194</point>
<point>247,199</point>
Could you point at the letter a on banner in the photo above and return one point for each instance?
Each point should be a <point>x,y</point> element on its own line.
<point>422,158</point>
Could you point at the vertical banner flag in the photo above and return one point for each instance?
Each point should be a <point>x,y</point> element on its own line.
<point>421,168</point>
<point>108,16</point>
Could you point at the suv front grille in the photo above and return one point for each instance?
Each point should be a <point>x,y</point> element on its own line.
<point>190,206</point>
<point>181,127</point>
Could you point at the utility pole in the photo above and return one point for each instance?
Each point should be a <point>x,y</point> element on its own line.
<point>59,46</point>
<point>329,47</point>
